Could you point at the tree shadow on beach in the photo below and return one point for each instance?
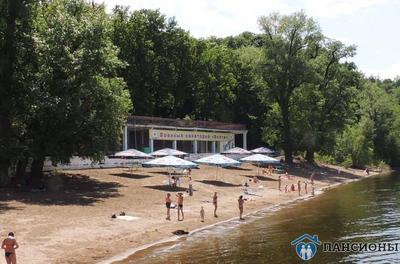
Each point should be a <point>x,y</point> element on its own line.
<point>132,176</point>
<point>322,173</point>
<point>238,168</point>
<point>167,188</point>
<point>261,178</point>
<point>218,183</point>
<point>72,189</point>
<point>5,207</point>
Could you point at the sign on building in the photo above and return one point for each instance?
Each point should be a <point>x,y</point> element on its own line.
<point>159,134</point>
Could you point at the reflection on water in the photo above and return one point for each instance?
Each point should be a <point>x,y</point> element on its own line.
<point>364,211</point>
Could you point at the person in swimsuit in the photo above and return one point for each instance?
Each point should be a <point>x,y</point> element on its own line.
<point>180,206</point>
<point>215,203</point>
<point>10,245</point>
<point>279,182</point>
<point>241,202</point>
<point>202,214</point>
<point>168,205</point>
<point>299,187</point>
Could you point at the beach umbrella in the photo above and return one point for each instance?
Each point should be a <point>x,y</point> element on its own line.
<point>218,160</point>
<point>263,150</point>
<point>170,162</point>
<point>167,152</point>
<point>259,159</point>
<point>237,150</point>
<point>131,154</point>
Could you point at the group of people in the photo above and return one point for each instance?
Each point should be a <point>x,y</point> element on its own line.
<point>179,206</point>
<point>10,245</point>
<point>292,187</point>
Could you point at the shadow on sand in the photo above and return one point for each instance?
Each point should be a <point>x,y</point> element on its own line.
<point>167,188</point>
<point>261,178</point>
<point>322,173</point>
<point>73,189</point>
<point>237,168</point>
<point>219,183</point>
<point>132,176</point>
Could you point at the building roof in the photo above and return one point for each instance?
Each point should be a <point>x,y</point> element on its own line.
<point>170,122</point>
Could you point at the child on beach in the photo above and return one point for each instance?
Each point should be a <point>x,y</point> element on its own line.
<point>292,188</point>
<point>168,205</point>
<point>202,214</point>
<point>10,245</point>
<point>215,203</point>
<point>240,203</point>
<point>190,187</point>
<point>286,188</point>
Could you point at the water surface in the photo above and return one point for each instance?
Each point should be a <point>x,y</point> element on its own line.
<point>363,211</point>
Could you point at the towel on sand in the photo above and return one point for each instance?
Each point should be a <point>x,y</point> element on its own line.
<point>127,217</point>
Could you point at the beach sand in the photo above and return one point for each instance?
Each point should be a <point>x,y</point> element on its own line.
<point>73,224</point>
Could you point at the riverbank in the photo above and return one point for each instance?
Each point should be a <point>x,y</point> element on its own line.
<point>75,225</point>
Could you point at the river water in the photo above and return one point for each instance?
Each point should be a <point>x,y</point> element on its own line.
<point>362,211</point>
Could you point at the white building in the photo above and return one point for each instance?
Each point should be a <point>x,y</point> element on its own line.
<point>152,133</point>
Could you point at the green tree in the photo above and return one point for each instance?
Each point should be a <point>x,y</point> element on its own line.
<point>325,105</point>
<point>15,66</point>
<point>291,41</point>
<point>79,105</point>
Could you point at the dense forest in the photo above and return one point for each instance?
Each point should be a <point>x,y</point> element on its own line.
<point>70,73</point>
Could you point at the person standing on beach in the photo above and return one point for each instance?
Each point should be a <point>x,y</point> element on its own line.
<point>202,214</point>
<point>312,178</point>
<point>279,182</point>
<point>299,187</point>
<point>10,245</point>
<point>180,206</point>
<point>305,187</point>
<point>190,187</point>
<point>241,202</point>
<point>168,205</point>
<point>215,203</point>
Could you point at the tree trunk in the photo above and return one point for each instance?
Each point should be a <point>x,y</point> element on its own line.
<point>7,68</point>
<point>37,172</point>
<point>286,135</point>
<point>310,156</point>
<point>21,171</point>
<point>5,139</point>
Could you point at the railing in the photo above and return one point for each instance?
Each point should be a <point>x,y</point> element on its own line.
<point>148,120</point>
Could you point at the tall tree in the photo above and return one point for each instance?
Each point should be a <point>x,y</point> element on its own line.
<point>79,104</point>
<point>324,106</point>
<point>291,41</point>
<point>15,44</point>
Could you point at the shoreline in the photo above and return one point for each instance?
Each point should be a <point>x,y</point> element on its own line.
<point>46,223</point>
<point>269,209</point>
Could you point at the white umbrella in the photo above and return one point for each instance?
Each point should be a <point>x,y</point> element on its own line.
<point>170,162</point>
<point>237,150</point>
<point>218,160</point>
<point>168,152</point>
<point>132,153</point>
<point>262,150</point>
<point>260,159</point>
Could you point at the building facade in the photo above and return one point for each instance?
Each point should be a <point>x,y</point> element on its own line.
<point>152,133</point>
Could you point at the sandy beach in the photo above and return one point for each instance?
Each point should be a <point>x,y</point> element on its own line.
<point>74,225</point>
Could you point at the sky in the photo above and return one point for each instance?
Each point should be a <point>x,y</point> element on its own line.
<point>372,25</point>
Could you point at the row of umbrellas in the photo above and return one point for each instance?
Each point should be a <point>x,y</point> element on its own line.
<point>170,158</point>
<point>136,154</point>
